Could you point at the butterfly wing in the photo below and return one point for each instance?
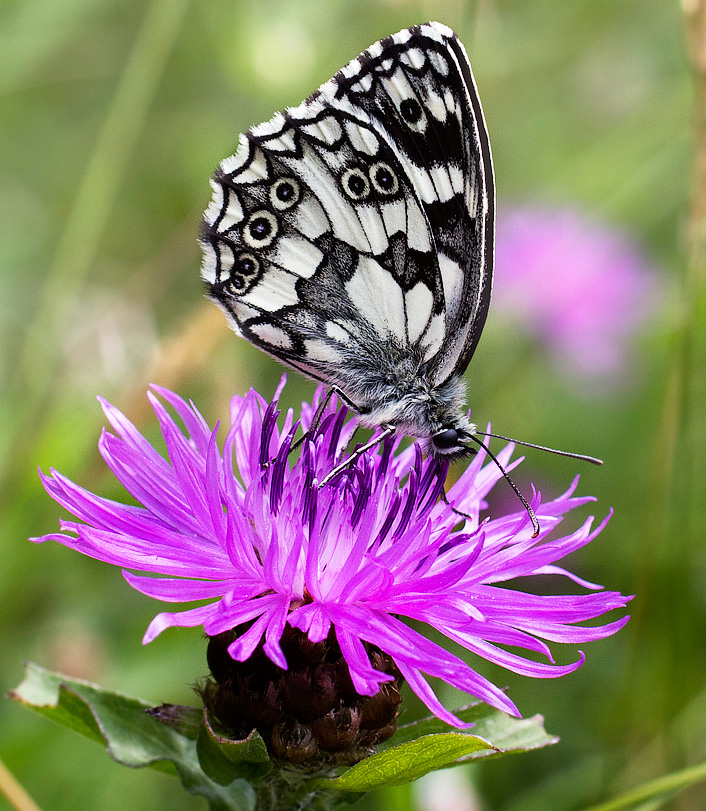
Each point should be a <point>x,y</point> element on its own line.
<point>345,248</point>
<point>417,87</point>
<point>305,255</point>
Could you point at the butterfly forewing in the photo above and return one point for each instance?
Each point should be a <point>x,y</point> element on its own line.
<point>351,236</point>
<point>418,89</point>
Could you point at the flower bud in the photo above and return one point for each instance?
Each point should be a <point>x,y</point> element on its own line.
<point>309,714</point>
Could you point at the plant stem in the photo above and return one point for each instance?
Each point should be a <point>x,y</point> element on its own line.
<point>675,506</point>
<point>286,790</point>
<point>660,788</point>
<point>14,791</point>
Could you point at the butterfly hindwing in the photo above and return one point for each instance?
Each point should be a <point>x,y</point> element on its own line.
<point>330,275</point>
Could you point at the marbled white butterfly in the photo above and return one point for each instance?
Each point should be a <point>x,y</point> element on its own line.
<point>352,236</point>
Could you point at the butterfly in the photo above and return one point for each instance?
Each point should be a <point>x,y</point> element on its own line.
<point>351,237</point>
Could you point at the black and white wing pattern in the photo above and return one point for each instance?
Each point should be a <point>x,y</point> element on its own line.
<point>418,90</point>
<point>352,236</point>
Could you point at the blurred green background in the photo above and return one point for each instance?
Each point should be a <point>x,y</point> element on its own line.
<point>113,118</point>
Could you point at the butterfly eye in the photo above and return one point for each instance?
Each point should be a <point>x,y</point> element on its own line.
<point>445,440</point>
<point>244,272</point>
<point>355,184</point>
<point>411,110</point>
<point>384,179</point>
<point>260,230</point>
<point>285,193</point>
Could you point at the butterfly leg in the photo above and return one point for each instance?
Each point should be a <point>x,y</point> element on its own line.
<point>316,419</point>
<point>446,501</point>
<point>388,430</point>
<point>319,413</point>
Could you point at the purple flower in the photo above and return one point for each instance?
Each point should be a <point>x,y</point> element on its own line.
<point>580,288</point>
<point>363,554</point>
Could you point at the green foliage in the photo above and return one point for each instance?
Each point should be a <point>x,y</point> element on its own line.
<point>105,153</point>
<point>426,745</point>
<point>131,736</point>
<point>655,793</point>
<point>237,775</point>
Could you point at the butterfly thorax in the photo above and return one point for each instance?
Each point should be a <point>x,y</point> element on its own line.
<point>410,402</point>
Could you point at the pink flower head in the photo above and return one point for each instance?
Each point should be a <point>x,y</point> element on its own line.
<point>374,548</point>
<point>580,288</point>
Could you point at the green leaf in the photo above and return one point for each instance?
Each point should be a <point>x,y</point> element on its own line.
<point>223,759</point>
<point>132,735</point>
<point>185,720</point>
<point>182,741</point>
<point>424,746</point>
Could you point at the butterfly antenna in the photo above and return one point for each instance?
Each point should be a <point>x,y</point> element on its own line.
<point>525,503</point>
<point>581,456</point>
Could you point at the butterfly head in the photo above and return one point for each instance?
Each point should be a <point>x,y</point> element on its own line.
<point>446,441</point>
<point>453,442</point>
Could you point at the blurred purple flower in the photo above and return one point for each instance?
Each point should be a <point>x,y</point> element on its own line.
<point>374,546</point>
<point>581,288</point>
